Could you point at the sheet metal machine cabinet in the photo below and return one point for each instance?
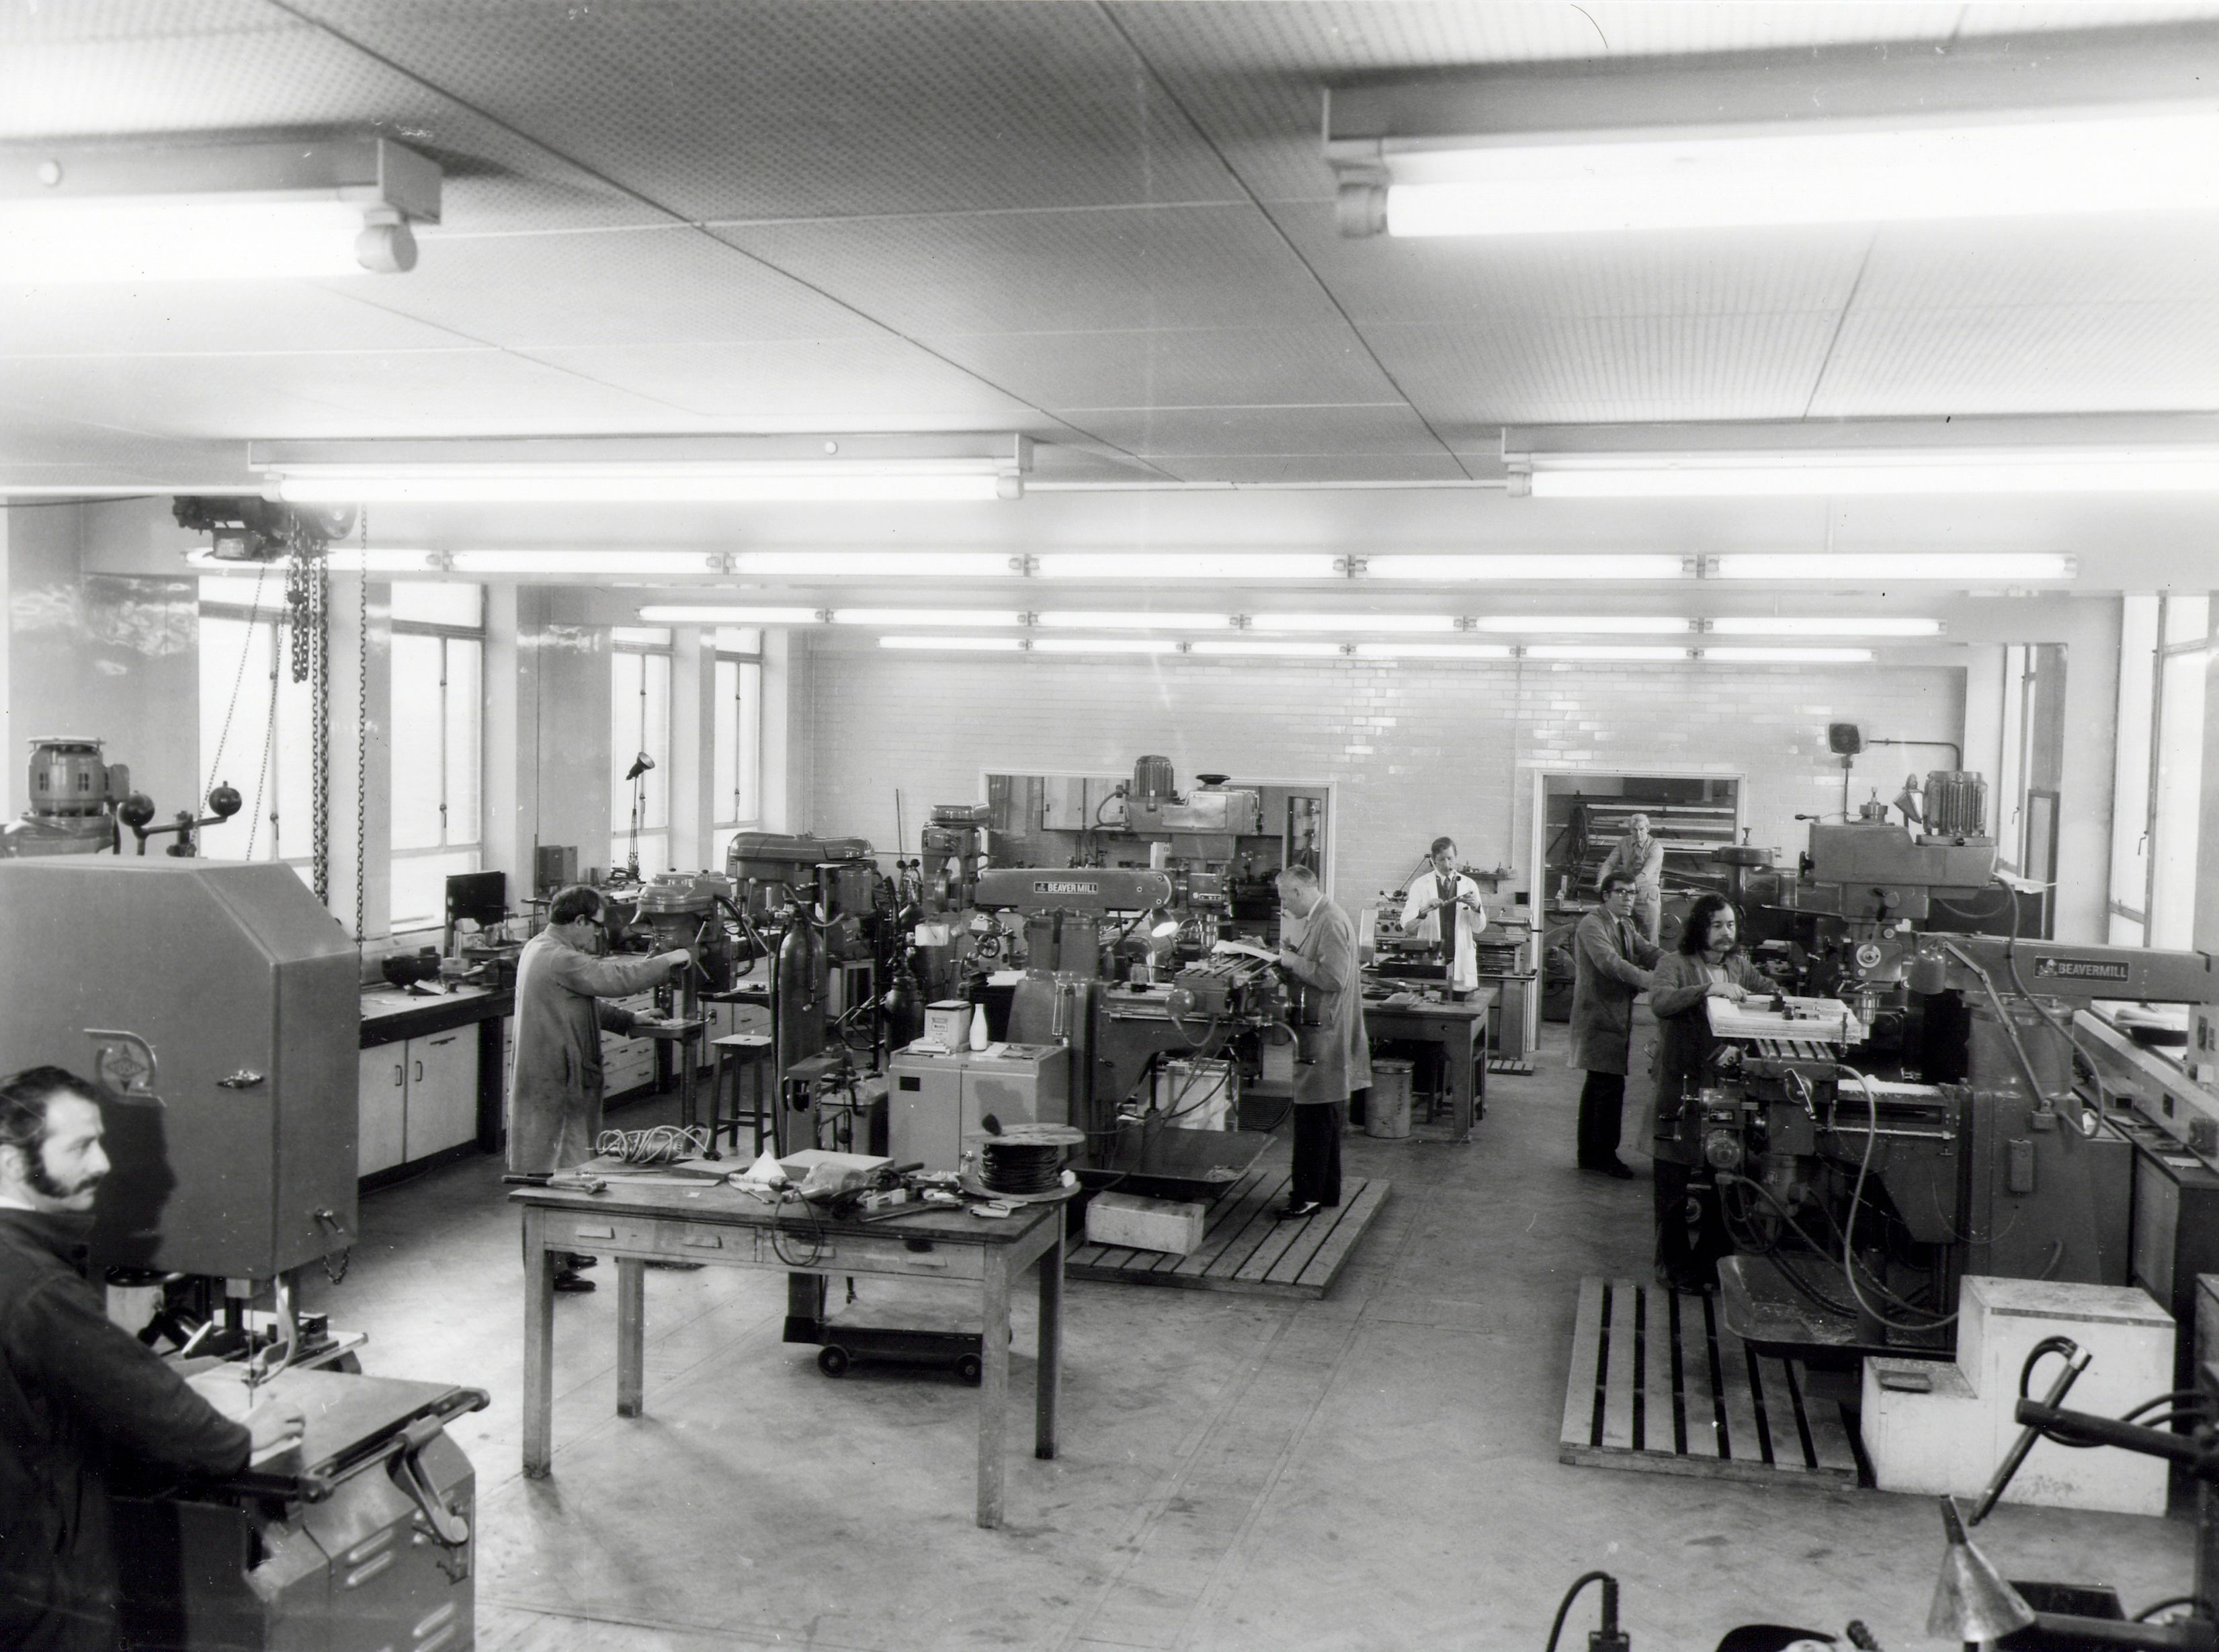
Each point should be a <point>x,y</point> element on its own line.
<point>1979,1162</point>
<point>218,1007</point>
<point>1116,1031</point>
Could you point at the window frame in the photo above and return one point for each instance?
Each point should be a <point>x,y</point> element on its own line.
<point>619,836</point>
<point>277,615</point>
<point>447,634</point>
<point>746,742</point>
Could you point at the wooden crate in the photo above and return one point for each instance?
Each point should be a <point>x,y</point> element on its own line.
<point>1659,1384</point>
<point>1244,1249</point>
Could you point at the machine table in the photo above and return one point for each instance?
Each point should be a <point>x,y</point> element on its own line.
<point>1460,1032</point>
<point>723,1228</point>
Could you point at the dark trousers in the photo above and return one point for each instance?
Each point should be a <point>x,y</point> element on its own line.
<point>1317,1152</point>
<point>1688,1252</point>
<point>1602,1109</point>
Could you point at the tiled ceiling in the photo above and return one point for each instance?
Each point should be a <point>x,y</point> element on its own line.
<point>1108,226</point>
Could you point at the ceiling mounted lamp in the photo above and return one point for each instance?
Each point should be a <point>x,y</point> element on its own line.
<point>1788,656</point>
<point>582,563</point>
<point>1592,624</point>
<point>877,564</point>
<point>1851,134</point>
<point>723,614</point>
<point>1271,651</point>
<point>1112,620</point>
<point>1106,645</point>
<point>982,618</point>
<point>1603,651</point>
<point>1873,471</point>
<point>1353,621</point>
<point>211,211</point>
<point>1117,565</point>
<point>957,644</point>
<point>340,559</point>
<point>844,469</point>
<point>1522,568</point>
<point>1797,625</point>
<point>1433,650</point>
<point>1891,567</point>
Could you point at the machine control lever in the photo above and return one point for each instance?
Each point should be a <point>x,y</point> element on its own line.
<point>449,1527</point>
<point>245,1078</point>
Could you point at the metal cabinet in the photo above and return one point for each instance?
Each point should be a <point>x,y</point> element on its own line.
<point>935,1101</point>
<point>381,1133</point>
<point>417,1096</point>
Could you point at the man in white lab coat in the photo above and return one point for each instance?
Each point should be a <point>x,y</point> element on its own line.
<point>1444,889</point>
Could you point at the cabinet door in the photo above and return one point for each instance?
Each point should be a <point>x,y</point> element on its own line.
<point>383,1095</point>
<point>443,1091</point>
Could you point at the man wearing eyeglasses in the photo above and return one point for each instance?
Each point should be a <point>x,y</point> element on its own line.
<point>1613,961</point>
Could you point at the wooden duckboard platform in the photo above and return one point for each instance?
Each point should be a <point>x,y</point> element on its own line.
<point>1243,1249</point>
<point>1659,1384</point>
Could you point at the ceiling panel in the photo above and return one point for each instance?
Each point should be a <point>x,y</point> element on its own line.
<point>2126,258</point>
<point>1255,431</point>
<point>1587,369</point>
<point>810,384</point>
<point>1054,271</point>
<point>723,108</point>
<point>670,285</point>
<point>2031,358</point>
<point>210,318</point>
<point>1187,367</point>
<point>457,392</point>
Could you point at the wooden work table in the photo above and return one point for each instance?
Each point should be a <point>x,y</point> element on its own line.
<point>723,1226</point>
<point>1460,1030</point>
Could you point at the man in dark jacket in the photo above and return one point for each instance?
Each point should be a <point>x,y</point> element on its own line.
<point>79,1397</point>
<point>1614,961</point>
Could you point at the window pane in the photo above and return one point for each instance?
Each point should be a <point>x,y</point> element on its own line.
<point>465,707</point>
<point>232,653</point>
<point>2126,932</point>
<point>654,852</point>
<point>724,744</point>
<point>739,639</point>
<point>2008,816</point>
<point>2180,797</point>
<point>293,779</point>
<point>420,886</point>
<point>720,844</point>
<point>416,736</point>
<point>2187,618</point>
<point>439,604</point>
<point>751,775</point>
<point>626,733</point>
<point>657,743</point>
<point>2130,772</point>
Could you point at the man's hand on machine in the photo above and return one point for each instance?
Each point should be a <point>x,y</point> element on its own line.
<point>276,1426</point>
<point>674,961</point>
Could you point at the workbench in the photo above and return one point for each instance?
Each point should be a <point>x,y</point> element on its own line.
<point>722,1226</point>
<point>1459,1031</point>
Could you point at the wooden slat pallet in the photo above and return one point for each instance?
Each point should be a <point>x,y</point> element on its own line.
<point>1659,1384</point>
<point>1243,1249</point>
<point>1515,1064</point>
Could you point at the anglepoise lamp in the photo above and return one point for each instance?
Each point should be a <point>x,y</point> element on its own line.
<point>636,778</point>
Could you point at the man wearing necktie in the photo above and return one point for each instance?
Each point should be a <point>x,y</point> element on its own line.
<point>1613,959</point>
<point>1444,889</point>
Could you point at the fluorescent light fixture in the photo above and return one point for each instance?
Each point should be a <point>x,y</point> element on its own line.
<point>878,564</point>
<point>956,644</point>
<point>1433,650</point>
<point>583,562</point>
<point>1596,625</point>
<point>1084,619</point>
<point>1105,645</point>
<point>1353,621</point>
<point>1788,656</point>
<point>1456,568</point>
<point>831,482</point>
<point>1290,650</point>
<point>882,617</point>
<point>342,559</point>
<point>1600,651</point>
<point>1775,174</point>
<point>1802,626</point>
<point>1872,471</point>
<point>693,614</point>
<point>1191,565</point>
<point>1836,567</point>
<point>208,212</point>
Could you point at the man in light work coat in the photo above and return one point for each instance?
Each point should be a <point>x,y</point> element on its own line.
<point>1613,962</point>
<point>1641,858</point>
<point>1332,1058</point>
<point>555,1084</point>
<point>1442,889</point>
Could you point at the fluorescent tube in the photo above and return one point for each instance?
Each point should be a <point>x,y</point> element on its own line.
<point>957,644</point>
<point>1291,650</point>
<point>925,616</point>
<point>1191,565</point>
<point>1077,618</point>
<point>1353,621</point>
<point>1600,651</point>
<point>1433,650</point>
<point>1803,626</point>
<point>1105,645</point>
<point>342,559</point>
<point>1914,565</point>
<point>693,614</point>
<point>1600,624</point>
<point>1790,474</point>
<point>1788,656</point>
<point>877,564</point>
<point>643,483</point>
<point>1454,568</point>
<point>1775,175</point>
<point>582,561</point>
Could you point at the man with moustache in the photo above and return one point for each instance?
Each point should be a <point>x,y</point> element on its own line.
<point>80,1399</point>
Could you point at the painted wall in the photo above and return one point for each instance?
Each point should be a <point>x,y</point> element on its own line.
<point>1412,749</point>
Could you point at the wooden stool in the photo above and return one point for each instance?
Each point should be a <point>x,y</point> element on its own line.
<point>746,1056</point>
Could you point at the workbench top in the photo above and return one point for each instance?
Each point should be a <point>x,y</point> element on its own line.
<point>389,1014</point>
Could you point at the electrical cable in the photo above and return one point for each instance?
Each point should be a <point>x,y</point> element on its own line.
<point>2166,1605</point>
<point>1024,1168</point>
<point>239,680</point>
<point>1564,1606</point>
<point>1856,1198</point>
<point>662,1143</point>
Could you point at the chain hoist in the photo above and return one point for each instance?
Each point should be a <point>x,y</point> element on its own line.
<point>361,721</point>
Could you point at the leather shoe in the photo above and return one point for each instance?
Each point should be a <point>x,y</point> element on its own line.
<point>1296,1212</point>
<point>578,1262</point>
<point>572,1283</point>
<point>1617,1169</point>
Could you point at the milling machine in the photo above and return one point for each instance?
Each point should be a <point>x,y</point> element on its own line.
<point>216,1007</point>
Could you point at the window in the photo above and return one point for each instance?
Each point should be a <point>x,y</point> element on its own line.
<point>2010,777</point>
<point>2165,656</point>
<point>639,729</point>
<point>736,766</point>
<point>438,711</point>
<point>256,723</point>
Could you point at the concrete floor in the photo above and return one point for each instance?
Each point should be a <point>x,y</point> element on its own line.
<point>1376,1469</point>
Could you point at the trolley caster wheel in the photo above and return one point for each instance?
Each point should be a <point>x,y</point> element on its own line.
<point>832,1360</point>
<point>969,1370</point>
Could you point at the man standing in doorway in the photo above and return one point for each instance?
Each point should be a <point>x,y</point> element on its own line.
<point>555,1086</point>
<point>1332,1058</point>
<point>1641,858</point>
<point>1614,963</point>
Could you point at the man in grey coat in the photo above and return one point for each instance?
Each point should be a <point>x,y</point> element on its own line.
<point>1641,857</point>
<point>1614,961</point>
<point>1332,1058</point>
<point>555,1082</point>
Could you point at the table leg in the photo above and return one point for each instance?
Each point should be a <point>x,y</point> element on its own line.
<point>1050,1376</point>
<point>1457,1052</point>
<point>686,1109</point>
<point>632,1336</point>
<point>1485,1047</point>
<point>994,1384</point>
<point>539,1347</point>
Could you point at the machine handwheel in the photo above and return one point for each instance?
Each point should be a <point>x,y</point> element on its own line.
<point>832,1360</point>
<point>969,1368</point>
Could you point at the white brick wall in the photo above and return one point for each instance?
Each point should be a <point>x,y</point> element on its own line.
<point>1412,748</point>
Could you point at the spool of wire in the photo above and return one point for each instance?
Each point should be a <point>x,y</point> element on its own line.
<point>1025,1160</point>
<point>665,1144</point>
